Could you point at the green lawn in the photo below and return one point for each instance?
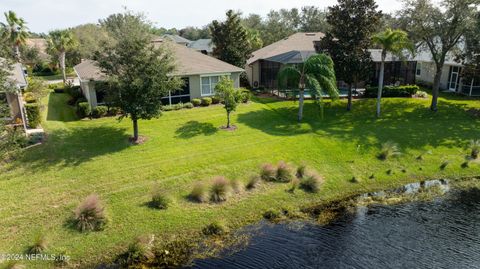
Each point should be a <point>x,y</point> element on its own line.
<point>39,191</point>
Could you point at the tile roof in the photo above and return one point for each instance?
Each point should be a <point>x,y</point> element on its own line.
<point>298,41</point>
<point>41,45</point>
<point>16,73</point>
<point>188,61</point>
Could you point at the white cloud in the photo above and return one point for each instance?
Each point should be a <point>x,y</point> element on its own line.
<point>45,15</point>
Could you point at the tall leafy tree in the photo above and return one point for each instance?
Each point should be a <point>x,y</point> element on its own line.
<point>317,73</point>
<point>90,38</point>
<point>394,42</point>
<point>15,31</point>
<point>438,27</point>
<point>471,55</point>
<point>352,24</point>
<point>231,40</point>
<point>313,19</point>
<point>230,96</point>
<point>138,72</point>
<point>59,42</point>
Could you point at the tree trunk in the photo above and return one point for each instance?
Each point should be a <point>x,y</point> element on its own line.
<point>349,103</point>
<point>300,104</point>
<point>135,130</point>
<point>228,120</point>
<point>62,66</point>
<point>380,84</point>
<point>436,87</point>
<point>17,52</point>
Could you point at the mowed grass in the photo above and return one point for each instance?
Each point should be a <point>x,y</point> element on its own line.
<point>39,191</point>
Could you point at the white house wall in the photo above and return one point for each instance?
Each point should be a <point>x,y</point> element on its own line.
<point>427,74</point>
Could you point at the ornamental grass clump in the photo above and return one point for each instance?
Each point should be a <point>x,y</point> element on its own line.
<point>294,184</point>
<point>284,173</point>
<point>199,193</point>
<point>254,182</point>
<point>139,252</point>
<point>39,245</point>
<point>267,172</point>
<point>301,170</point>
<point>90,215</point>
<point>215,228</point>
<point>220,190</point>
<point>160,199</point>
<point>389,149</point>
<point>311,182</point>
<point>474,147</point>
<point>237,186</point>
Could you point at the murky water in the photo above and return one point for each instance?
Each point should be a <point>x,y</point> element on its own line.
<point>444,233</point>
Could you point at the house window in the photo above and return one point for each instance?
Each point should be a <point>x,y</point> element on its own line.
<point>208,85</point>
<point>419,69</point>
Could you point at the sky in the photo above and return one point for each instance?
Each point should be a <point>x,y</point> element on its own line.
<point>46,15</point>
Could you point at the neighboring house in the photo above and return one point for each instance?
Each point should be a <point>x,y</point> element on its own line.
<point>262,70</point>
<point>204,46</point>
<point>263,73</point>
<point>14,99</point>
<point>200,72</point>
<point>451,74</point>
<point>177,39</point>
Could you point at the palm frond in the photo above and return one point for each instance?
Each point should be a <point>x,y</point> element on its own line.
<point>288,74</point>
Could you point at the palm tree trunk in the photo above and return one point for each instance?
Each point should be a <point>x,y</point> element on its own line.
<point>436,88</point>
<point>380,84</point>
<point>17,52</point>
<point>62,66</point>
<point>300,104</point>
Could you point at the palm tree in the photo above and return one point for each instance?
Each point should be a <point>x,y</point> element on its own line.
<point>394,42</point>
<point>317,73</point>
<point>59,41</point>
<point>15,31</point>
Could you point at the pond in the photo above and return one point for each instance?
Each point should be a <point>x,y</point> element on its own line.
<point>443,233</point>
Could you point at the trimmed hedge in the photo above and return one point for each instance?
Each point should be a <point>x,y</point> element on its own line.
<point>33,115</point>
<point>196,102</point>
<point>83,109</point>
<point>99,111</point>
<point>206,101</point>
<point>392,91</point>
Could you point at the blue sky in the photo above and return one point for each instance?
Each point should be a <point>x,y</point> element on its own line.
<point>45,15</point>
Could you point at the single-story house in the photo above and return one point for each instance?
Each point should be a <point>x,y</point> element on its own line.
<point>451,79</point>
<point>17,77</point>
<point>200,72</point>
<point>176,39</point>
<point>205,46</point>
<point>262,70</point>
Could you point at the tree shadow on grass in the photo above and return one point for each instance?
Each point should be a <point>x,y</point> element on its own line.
<point>407,122</point>
<point>74,146</point>
<point>195,128</point>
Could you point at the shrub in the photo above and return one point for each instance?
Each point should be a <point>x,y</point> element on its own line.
<point>474,147</point>
<point>196,102</point>
<point>216,100</point>
<point>168,108</point>
<point>311,182</point>
<point>421,94</point>
<point>220,190</point>
<point>113,111</point>
<point>29,97</point>
<point>253,182</point>
<point>284,172</point>
<point>39,245</point>
<point>199,193</point>
<point>272,214</point>
<point>215,228</point>
<point>206,101</point>
<point>267,172</point>
<point>188,105</point>
<point>236,185</point>
<point>301,170</point>
<point>389,149</point>
<point>160,199</point>
<point>90,215</point>
<point>83,109</point>
<point>33,115</point>
<point>138,252</point>
<point>392,91</point>
<point>294,184</point>
<point>99,111</point>
<point>245,95</point>
<point>177,106</point>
